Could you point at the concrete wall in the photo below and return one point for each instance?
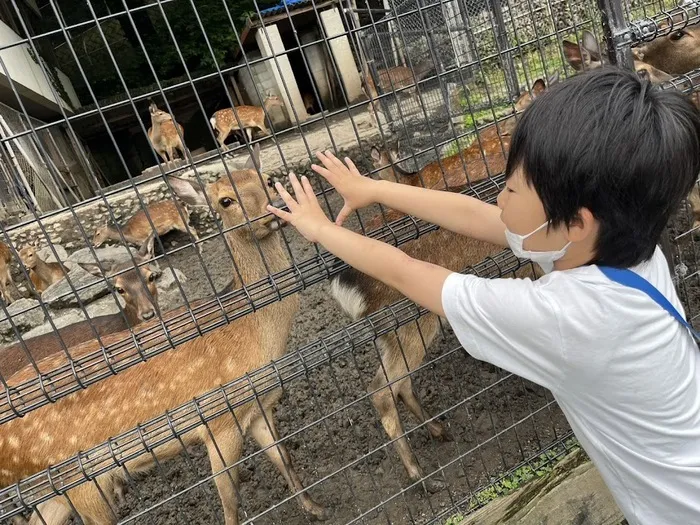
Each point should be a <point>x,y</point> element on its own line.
<point>24,71</point>
<point>315,57</point>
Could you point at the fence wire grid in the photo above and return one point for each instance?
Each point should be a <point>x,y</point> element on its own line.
<point>154,315</point>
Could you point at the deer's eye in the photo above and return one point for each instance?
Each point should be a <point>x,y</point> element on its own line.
<point>225,202</point>
<point>120,291</point>
<point>677,35</point>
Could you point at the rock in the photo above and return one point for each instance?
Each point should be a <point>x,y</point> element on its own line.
<point>47,255</point>
<point>167,280</point>
<point>111,254</point>
<point>65,318</point>
<point>33,317</point>
<point>104,306</point>
<point>61,295</point>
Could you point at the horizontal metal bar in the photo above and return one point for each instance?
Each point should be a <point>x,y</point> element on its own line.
<point>661,24</point>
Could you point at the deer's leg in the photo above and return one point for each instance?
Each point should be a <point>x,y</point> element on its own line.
<point>223,135</point>
<point>225,449</point>
<point>388,388</point>
<point>54,512</point>
<point>263,430</point>
<point>96,506</point>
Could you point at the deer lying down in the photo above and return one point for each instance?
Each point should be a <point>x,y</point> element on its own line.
<point>140,304</point>
<point>403,351</point>
<point>136,395</point>
<point>42,274</point>
<point>165,216</point>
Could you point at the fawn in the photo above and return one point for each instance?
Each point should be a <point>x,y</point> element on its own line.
<point>358,295</point>
<point>589,54</point>
<point>224,120</point>
<point>5,275</point>
<point>165,216</point>
<point>152,387</point>
<point>164,136</point>
<point>140,304</point>
<point>42,274</point>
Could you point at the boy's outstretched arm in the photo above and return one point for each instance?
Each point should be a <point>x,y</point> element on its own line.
<point>455,212</point>
<point>418,280</point>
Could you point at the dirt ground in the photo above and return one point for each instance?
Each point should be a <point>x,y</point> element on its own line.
<point>495,421</point>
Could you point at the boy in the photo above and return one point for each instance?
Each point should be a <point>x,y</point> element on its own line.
<point>596,168</point>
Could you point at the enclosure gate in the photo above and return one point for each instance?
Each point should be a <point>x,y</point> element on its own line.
<point>176,346</point>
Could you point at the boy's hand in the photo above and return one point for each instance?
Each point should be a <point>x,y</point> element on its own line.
<point>304,213</point>
<point>356,190</point>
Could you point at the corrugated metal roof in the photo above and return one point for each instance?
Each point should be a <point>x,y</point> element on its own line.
<point>279,8</point>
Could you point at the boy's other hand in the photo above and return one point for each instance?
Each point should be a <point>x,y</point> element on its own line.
<point>357,191</point>
<point>305,214</point>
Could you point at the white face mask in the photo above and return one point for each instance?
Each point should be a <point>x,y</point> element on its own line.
<point>544,259</point>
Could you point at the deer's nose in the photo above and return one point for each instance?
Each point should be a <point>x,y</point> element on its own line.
<point>150,314</point>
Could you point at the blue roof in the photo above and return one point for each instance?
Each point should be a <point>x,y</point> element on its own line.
<point>279,8</point>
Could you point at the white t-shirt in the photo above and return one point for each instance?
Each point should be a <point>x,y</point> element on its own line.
<point>625,373</point>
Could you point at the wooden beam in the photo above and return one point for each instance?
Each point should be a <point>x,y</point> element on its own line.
<point>573,492</point>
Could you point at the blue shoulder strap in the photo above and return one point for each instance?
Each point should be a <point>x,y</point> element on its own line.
<point>636,281</point>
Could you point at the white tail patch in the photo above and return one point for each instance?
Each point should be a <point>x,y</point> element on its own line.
<point>349,298</point>
<point>212,121</point>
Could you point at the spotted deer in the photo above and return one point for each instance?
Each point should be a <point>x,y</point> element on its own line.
<point>41,273</point>
<point>147,390</point>
<point>140,304</point>
<point>403,351</point>
<point>588,54</point>
<point>5,274</point>
<point>485,156</point>
<point>164,136</point>
<point>165,215</point>
<point>224,120</point>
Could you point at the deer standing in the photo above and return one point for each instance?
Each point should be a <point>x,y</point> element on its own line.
<point>163,135</point>
<point>140,304</point>
<point>152,387</point>
<point>41,273</point>
<point>224,120</point>
<point>403,351</point>
<point>165,216</point>
<point>5,275</point>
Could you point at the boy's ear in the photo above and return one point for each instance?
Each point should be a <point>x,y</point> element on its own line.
<point>582,226</point>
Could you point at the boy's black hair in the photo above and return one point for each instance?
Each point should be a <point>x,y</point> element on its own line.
<point>610,142</point>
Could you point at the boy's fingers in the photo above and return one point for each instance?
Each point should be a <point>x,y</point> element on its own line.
<point>343,214</point>
<point>286,197</point>
<point>308,190</point>
<point>298,191</point>
<point>284,215</point>
<point>323,172</point>
<point>337,163</point>
<point>353,168</point>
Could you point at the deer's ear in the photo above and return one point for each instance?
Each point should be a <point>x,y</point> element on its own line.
<point>538,87</point>
<point>573,54</point>
<point>146,249</point>
<point>191,192</point>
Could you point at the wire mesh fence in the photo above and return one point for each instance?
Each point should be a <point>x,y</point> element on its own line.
<point>154,309</point>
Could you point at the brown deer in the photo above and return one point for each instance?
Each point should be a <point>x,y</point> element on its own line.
<point>403,351</point>
<point>136,395</point>
<point>41,273</point>
<point>484,157</point>
<point>224,120</point>
<point>165,216</point>
<point>395,78</point>
<point>5,275</point>
<point>140,304</point>
<point>676,53</point>
<point>164,136</point>
<point>589,55</point>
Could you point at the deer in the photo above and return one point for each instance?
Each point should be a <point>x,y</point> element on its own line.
<point>485,156</point>
<point>309,102</point>
<point>42,274</point>
<point>166,217</point>
<point>398,77</point>
<point>358,295</point>
<point>676,53</point>
<point>588,55</point>
<point>148,389</point>
<point>224,120</point>
<point>164,136</point>
<point>5,275</point>
<point>140,304</point>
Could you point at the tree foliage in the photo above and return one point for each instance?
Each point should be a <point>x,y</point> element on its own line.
<point>206,33</point>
